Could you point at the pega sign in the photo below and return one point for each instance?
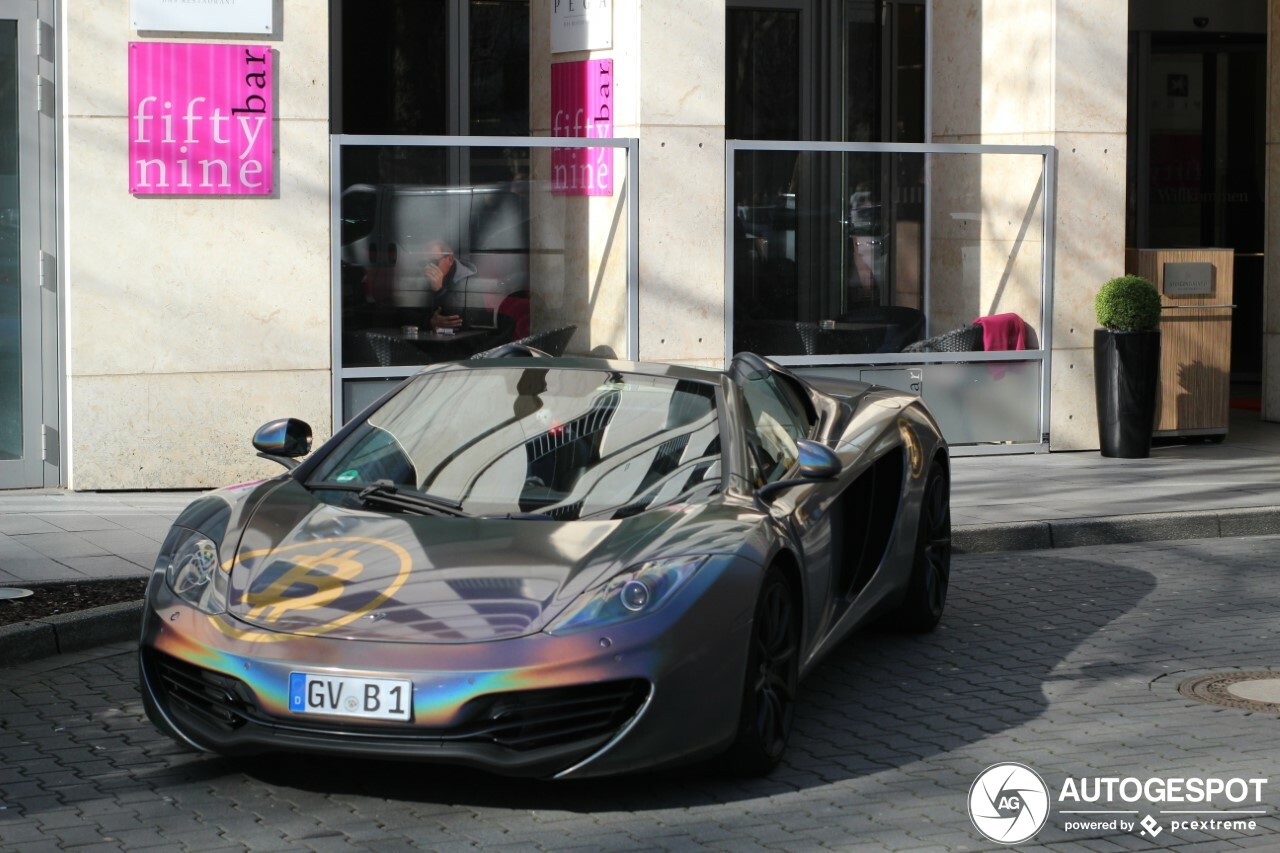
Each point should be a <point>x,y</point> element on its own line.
<point>199,119</point>
<point>582,105</point>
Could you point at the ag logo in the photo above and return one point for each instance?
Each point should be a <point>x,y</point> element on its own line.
<point>1008,803</point>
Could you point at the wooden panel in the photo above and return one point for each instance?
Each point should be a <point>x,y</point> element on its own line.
<point>1195,343</point>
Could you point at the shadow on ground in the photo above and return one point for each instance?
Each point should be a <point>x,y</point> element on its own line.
<point>880,701</point>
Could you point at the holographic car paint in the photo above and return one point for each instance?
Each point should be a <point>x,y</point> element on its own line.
<point>354,591</point>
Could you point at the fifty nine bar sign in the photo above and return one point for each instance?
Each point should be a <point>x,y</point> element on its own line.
<point>199,119</point>
<point>582,105</point>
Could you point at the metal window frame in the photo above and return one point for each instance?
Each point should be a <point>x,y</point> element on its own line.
<point>1048,188</point>
<point>337,142</point>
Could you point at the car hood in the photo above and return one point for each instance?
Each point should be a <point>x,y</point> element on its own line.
<point>307,567</point>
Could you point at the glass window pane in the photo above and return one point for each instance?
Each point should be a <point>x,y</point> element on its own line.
<point>817,276</point>
<point>863,60</point>
<point>436,270</point>
<point>776,422</point>
<point>762,81</point>
<point>394,63</point>
<point>815,273</point>
<point>499,50</point>
<point>909,69</point>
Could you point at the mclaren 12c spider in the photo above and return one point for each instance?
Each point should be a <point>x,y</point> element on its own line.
<point>553,567</point>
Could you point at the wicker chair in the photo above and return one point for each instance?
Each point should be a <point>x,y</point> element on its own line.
<point>776,337</point>
<point>552,342</point>
<point>357,351</point>
<point>900,326</point>
<point>963,339</point>
<point>808,336</point>
<point>389,350</point>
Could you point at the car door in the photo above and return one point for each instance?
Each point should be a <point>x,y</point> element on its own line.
<point>776,415</point>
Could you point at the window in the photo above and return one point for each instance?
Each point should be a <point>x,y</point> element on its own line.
<point>776,418</point>
<point>430,67</point>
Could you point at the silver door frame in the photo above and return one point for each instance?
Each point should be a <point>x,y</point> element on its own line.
<point>39,319</point>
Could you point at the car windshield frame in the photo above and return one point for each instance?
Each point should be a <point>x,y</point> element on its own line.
<point>593,441</point>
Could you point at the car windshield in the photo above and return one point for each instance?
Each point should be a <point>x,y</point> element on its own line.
<point>560,442</point>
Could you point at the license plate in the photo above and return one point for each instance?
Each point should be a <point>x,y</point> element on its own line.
<point>345,696</point>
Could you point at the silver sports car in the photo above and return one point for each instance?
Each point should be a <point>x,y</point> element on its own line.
<point>549,566</point>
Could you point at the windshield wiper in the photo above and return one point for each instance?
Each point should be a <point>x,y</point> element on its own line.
<point>387,493</point>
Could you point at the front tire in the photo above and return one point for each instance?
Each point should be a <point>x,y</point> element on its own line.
<point>773,674</point>
<point>921,609</point>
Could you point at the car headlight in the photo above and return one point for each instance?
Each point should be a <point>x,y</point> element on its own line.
<point>193,570</point>
<point>639,591</point>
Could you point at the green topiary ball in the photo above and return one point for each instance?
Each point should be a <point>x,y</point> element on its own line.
<point>1129,303</point>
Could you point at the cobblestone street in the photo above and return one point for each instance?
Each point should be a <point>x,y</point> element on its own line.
<point>1065,661</point>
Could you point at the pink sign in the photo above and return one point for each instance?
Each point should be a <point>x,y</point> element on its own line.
<point>199,119</point>
<point>582,105</point>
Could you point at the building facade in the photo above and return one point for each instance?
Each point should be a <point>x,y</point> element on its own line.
<point>825,181</point>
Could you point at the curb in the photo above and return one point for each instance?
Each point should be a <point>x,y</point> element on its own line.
<point>1115,530</point>
<point>70,632</point>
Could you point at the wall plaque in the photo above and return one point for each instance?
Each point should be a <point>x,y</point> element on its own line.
<point>1187,278</point>
<point>581,25</point>
<point>252,17</point>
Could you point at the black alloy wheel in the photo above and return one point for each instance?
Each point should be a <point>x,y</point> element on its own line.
<point>773,674</point>
<point>926,597</point>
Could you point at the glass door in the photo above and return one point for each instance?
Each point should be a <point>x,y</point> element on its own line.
<point>1197,170</point>
<point>823,241</point>
<point>21,319</point>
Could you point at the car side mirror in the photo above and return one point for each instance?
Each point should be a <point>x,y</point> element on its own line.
<point>815,462</point>
<point>283,441</point>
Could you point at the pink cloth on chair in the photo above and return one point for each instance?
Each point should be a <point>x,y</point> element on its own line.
<point>1003,332</point>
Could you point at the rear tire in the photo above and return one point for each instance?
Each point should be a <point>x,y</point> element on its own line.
<point>773,674</point>
<point>921,609</point>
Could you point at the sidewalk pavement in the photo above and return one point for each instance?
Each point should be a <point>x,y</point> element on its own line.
<point>998,503</point>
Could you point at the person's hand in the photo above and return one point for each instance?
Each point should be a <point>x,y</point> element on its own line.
<point>445,321</point>
<point>436,269</point>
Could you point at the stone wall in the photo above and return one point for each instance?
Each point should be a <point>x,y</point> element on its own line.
<point>190,320</point>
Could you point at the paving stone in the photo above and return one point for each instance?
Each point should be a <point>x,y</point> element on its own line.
<point>74,836</point>
<point>15,833</point>
<point>78,522</point>
<point>1065,660</point>
<point>60,545</point>
<point>50,845</point>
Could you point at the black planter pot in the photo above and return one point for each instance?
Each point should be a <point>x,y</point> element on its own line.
<point>1126,374</point>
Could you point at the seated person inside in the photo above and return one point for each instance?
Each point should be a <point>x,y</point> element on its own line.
<point>444,271</point>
